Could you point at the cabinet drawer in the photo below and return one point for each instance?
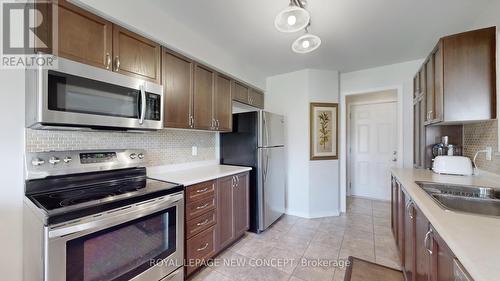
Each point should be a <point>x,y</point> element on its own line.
<point>199,207</point>
<point>200,223</point>
<point>199,191</point>
<point>199,247</point>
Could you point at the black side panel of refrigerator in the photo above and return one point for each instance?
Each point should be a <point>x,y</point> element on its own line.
<point>240,148</point>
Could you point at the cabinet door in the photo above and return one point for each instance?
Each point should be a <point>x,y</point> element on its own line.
<point>438,83</point>
<point>394,208</point>
<point>223,104</point>
<point>416,134</point>
<point>423,160</point>
<point>240,92</point>
<point>177,90</point>
<point>241,212</point>
<point>429,90</point>
<point>422,257</point>
<point>225,212</point>
<point>409,238</point>
<point>442,259</point>
<point>401,223</point>
<point>470,75</point>
<point>135,55</point>
<point>203,98</point>
<point>256,98</point>
<point>84,37</point>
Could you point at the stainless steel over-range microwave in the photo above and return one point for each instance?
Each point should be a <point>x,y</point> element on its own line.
<point>80,96</point>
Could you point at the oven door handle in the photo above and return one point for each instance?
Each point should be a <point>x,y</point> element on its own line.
<point>110,218</point>
<point>143,104</point>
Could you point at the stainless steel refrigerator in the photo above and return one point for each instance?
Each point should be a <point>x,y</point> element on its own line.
<point>257,140</point>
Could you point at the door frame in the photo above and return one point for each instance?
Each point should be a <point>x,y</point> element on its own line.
<point>343,135</point>
<point>349,132</point>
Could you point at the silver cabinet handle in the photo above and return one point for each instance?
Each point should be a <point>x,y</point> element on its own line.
<point>233,181</point>
<point>202,206</point>
<point>202,223</point>
<point>191,121</point>
<point>202,190</point>
<point>237,180</point>
<point>409,209</point>
<point>143,105</point>
<point>217,123</point>
<point>426,240</point>
<point>117,63</point>
<point>108,60</point>
<point>202,248</point>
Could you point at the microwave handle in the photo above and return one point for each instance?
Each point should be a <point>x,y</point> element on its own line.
<point>143,104</point>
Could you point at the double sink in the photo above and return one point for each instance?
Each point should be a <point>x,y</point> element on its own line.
<point>464,198</point>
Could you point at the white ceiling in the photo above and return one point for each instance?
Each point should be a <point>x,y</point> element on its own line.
<point>356,34</point>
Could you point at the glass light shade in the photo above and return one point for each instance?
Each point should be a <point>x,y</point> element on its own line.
<point>306,43</point>
<point>292,19</point>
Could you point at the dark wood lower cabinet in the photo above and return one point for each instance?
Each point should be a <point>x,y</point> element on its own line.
<point>422,261</point>
<point>425,256</point>
<point>211,228</point>
<point>441,259</point>
<point>409,233</point>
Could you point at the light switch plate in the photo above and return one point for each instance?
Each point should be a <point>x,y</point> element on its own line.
<point>194,150</point>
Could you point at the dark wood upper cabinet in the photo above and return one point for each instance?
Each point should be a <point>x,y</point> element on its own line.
<point>83,36</point>
<point>135,55</point>
<point>256,98</point>
<point>178,89</point>
<point>241,203</point>
<point>437,57</point>
<point>469,81</point>
<point>223,105</point>
<point>240,92</point>
<point>225,212</point>
<point>429,90</point>
<point>203,98</point>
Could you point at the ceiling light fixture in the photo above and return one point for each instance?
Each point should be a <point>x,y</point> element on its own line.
<point>306,43</point>
<point>293,18</point>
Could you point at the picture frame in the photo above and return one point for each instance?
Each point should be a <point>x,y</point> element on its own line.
<point>324,133</point>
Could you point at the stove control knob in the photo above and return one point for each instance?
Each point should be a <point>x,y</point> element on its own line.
<point>67,159</point>
<point>133,156</point>
<point>54,160</point>
<point>37,162</point>
<point>140,155</point>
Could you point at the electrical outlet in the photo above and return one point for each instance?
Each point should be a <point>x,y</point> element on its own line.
<point>194,150</point>
<point>489,151</point>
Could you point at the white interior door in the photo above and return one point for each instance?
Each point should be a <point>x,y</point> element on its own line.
<point>372,148</point>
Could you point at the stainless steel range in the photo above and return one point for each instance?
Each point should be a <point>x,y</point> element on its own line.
<point>94,215</point>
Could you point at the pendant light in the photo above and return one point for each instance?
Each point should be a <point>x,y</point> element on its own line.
<point>293,18</point>
<point>306,43</point>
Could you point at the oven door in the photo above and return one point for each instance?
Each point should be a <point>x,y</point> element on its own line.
<point>138,242</point>
<point>79,95</point>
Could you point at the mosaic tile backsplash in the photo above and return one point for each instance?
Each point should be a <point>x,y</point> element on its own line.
<point>479,136</point>
<point>163,147</point>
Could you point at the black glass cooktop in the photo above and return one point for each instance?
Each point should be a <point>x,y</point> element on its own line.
<point>64,198</point>
<point>68,197</point>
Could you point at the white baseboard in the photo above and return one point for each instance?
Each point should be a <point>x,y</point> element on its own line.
<point>313,215</point>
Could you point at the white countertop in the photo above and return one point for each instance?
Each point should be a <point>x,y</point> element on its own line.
<point>474,239</point>
<point>193,174</point>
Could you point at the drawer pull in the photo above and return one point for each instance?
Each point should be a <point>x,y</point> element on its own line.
<point>202,248</point>
<point>202,206</point>
<point>202,190</point>
<point>203,222</point>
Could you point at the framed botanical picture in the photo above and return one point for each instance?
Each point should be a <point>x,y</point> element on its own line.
<point>324,131</point>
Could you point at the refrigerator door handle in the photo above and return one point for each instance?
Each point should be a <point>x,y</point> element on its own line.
<point>266,166</point>
<point>266,129</point>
